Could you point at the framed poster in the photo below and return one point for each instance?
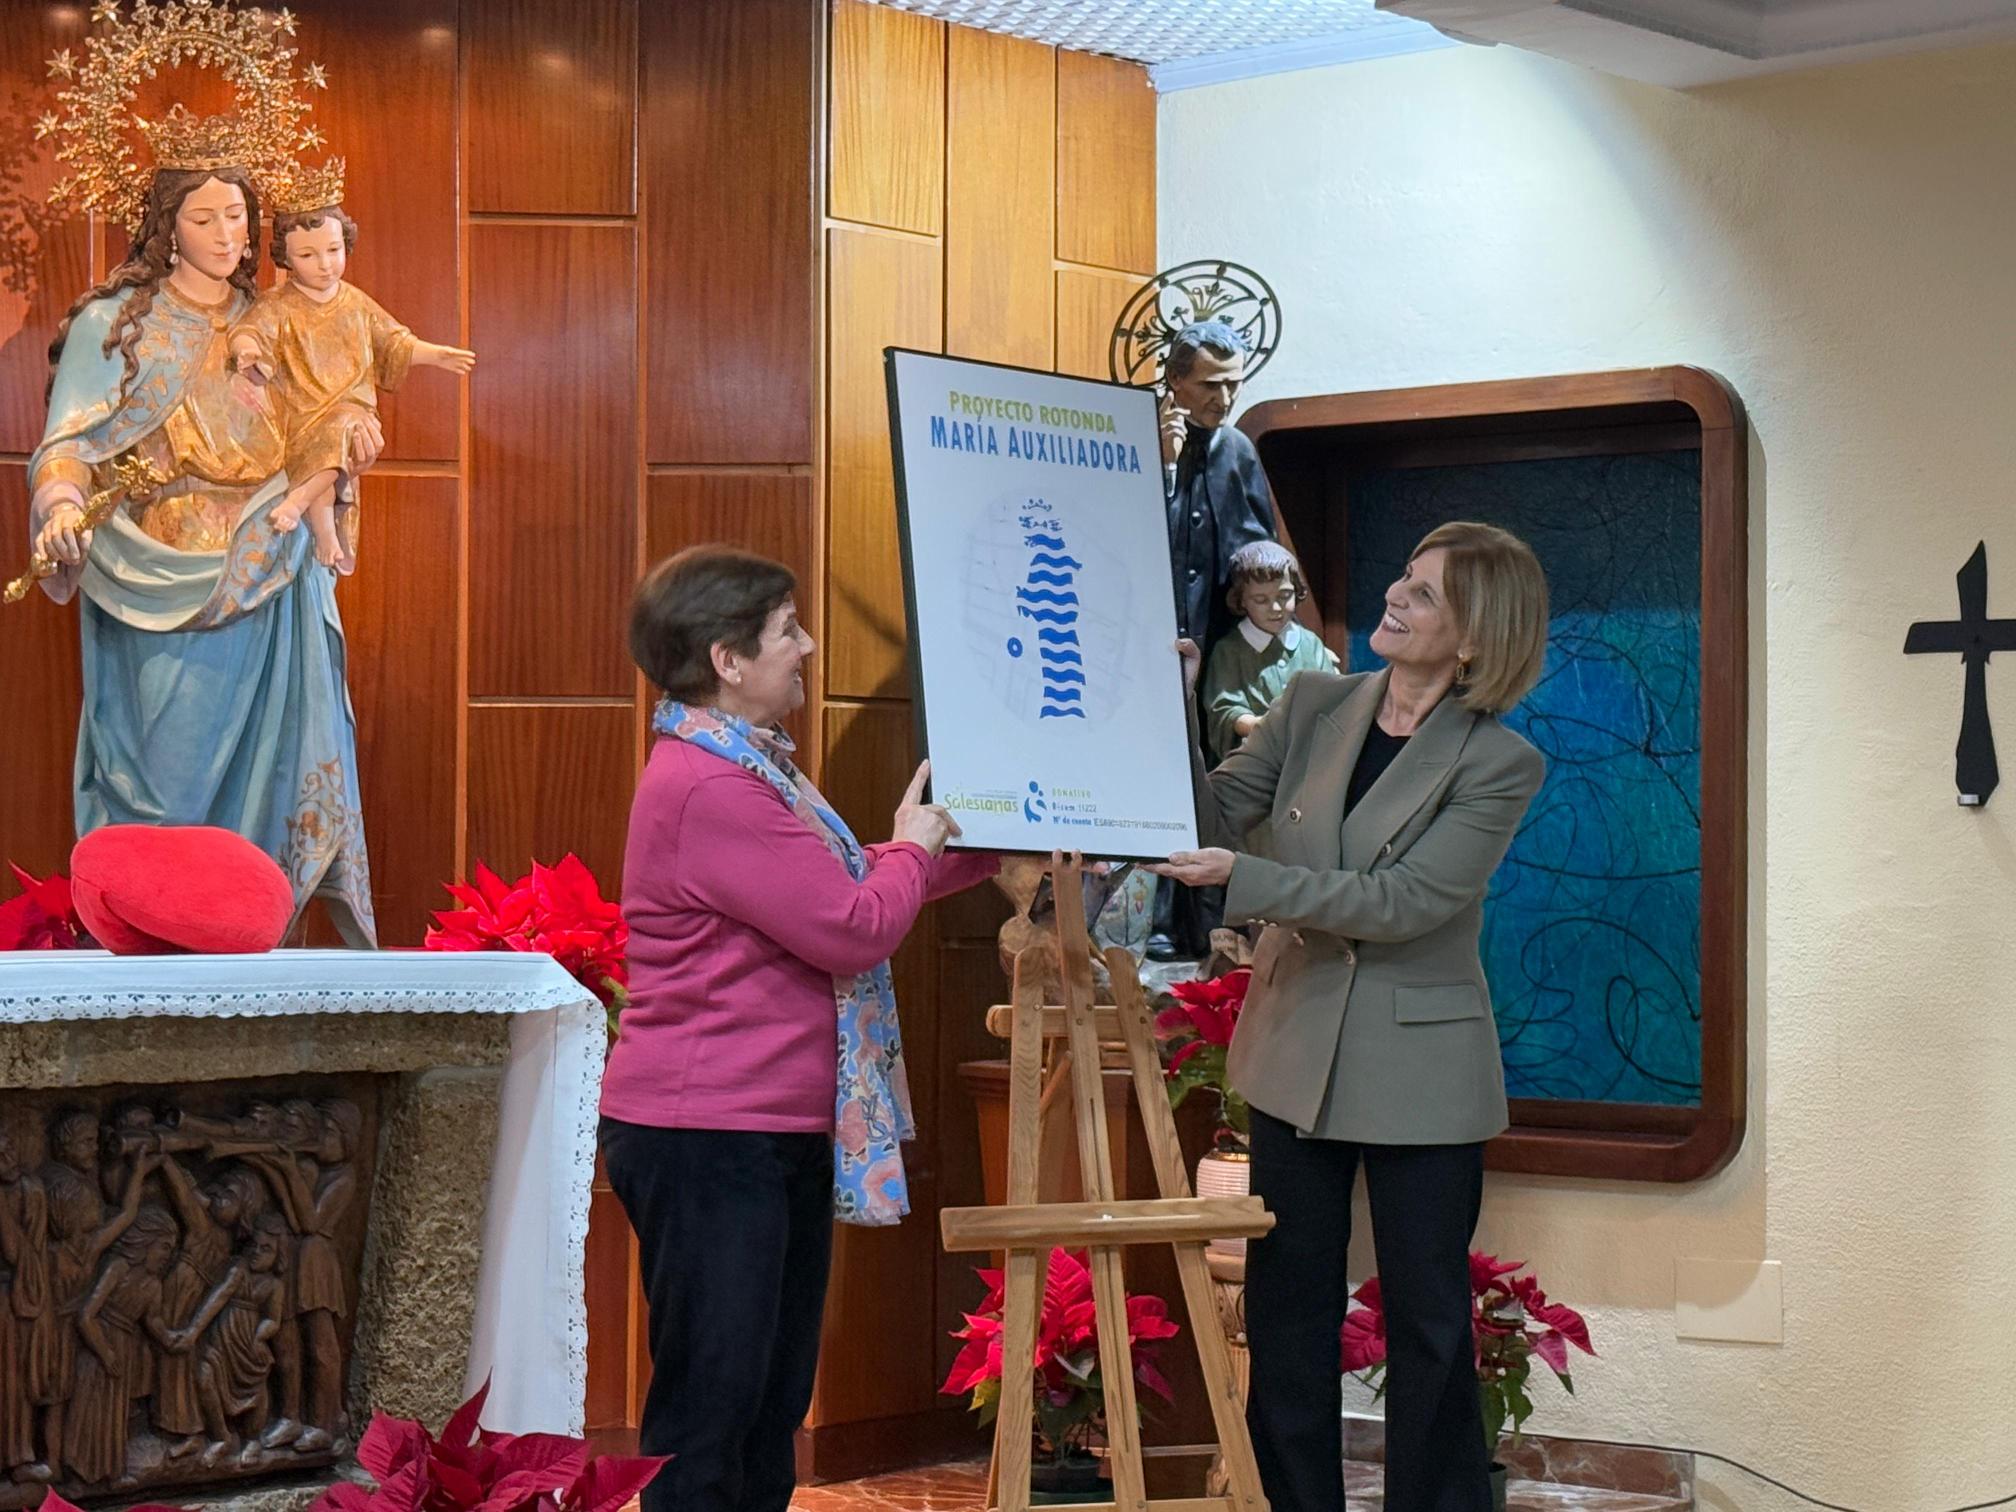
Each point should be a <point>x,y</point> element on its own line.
<point>1036,574</point>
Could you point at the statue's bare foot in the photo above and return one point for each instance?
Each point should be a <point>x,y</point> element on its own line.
<point>216,1453</point>
<point>313,1441</point>
<point>329,553</point>
<point>284,516</point>
<point>283,1432</point>
<point>182,1448</point>
<point>37,1474</point>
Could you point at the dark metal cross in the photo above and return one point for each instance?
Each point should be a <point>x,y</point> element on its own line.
<point>1976,638</point>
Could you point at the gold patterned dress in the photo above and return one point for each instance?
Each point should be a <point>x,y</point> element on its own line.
<point>216,451</point>
<point>329,357</point>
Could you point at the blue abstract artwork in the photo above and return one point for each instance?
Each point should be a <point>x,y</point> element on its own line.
<point>1592,938</point>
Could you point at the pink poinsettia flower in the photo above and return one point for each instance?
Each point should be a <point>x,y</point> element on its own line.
<point>1485,1270</point>
<point>1563,1320</point>
<point>1513,1322</point>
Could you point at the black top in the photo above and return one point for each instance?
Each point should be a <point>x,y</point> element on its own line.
<point>1219,502</point>
<point>1377,755</point>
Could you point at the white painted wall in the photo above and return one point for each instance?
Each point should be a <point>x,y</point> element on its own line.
<point>1841,246</point>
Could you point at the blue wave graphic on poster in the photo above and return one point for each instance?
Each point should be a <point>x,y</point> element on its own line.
<point>1047,598</point>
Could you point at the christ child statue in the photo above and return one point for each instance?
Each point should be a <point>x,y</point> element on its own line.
<point>325,348</point>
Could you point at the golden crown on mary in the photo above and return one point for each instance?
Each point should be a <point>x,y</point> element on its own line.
<point>113,152</point>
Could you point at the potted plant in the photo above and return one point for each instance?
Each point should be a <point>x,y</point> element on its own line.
<point>556,910</point>
<point>1070,1396</point>
<point>1196,1034</point>
<point>1511,1322</point>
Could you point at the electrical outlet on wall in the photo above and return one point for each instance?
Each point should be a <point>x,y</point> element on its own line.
<point>1740,1301</point>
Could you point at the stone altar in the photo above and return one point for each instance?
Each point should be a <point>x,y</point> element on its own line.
<point>258,1197</point>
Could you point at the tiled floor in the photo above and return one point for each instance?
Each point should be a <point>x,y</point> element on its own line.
<point>959,1487</point>
<point>962,1487</point>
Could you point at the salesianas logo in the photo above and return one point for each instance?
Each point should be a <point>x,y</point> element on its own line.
<point>1048,596</point>
<point>1034,809</point>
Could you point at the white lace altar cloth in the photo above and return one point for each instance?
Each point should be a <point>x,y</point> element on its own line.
<point>531,1327</point>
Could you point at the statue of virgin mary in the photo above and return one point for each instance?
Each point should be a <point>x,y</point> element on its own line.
<point>214,688</point>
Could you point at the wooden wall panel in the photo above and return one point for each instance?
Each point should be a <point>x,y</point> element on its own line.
<point>401,621</point>
<point>882,291</point>
<point>388,111</point>
<point>879,1275</point>
<point>1000,207</point>
<point>730,235</point>
<point>769,513</point>
<point>553,458</point>
<point>546,779</point>
<point>550,105</point>
<point>888,118</point>
<point>44,690</point>
<point>969,981</point>
<point>45,259</point>
<point>1089,302</point>
<point>1105,163</point>
<point>609,1284</point>
<point>981,274</point>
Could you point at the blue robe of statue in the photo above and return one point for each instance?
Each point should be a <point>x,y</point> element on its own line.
<point>214,688</point>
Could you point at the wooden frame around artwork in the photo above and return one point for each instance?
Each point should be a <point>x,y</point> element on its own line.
<point>1309,444</point>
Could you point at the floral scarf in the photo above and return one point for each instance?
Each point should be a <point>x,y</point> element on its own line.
<point>872,1112</point>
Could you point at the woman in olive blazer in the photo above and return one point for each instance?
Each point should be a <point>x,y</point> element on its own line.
<point>1367,1036</point>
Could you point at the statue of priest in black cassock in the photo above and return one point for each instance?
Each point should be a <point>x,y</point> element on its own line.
<point>1218,495</point>
<point>1218,501</point>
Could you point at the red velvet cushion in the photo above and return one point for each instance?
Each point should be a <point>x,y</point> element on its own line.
<point>143,889</point>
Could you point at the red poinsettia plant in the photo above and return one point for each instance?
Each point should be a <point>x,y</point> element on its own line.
<point>469,1469</point>
<point>1070,1396</point>
<point>1196,1036</point>
<point>1511,1322</point>
<point>40,916</point>
<point>556,910</point>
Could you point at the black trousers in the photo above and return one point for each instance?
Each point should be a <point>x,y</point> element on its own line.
<point>735,1234</point>
<point>1425,1200</point>
<point>1188,915</point>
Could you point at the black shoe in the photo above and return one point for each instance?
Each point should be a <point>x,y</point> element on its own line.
<point>1162,948</point>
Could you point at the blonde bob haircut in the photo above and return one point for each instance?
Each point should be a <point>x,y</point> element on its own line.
<point>1498,596</point>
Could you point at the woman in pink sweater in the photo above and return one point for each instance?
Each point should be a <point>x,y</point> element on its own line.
<point>755,1092</point>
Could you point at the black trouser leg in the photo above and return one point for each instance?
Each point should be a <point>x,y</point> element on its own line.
<point>769,1457</point>
<point>734,1250</point>
<point>1296,1296</point>
<point>1425,1200</point>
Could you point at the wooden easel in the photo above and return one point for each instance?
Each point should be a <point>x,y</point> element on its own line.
<point>1027,1227</point>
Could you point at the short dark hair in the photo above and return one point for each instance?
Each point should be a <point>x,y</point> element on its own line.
<point>308,221</point>
<point>1262,562</point>
<point>693,601</point>
<point>1213,336</point>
